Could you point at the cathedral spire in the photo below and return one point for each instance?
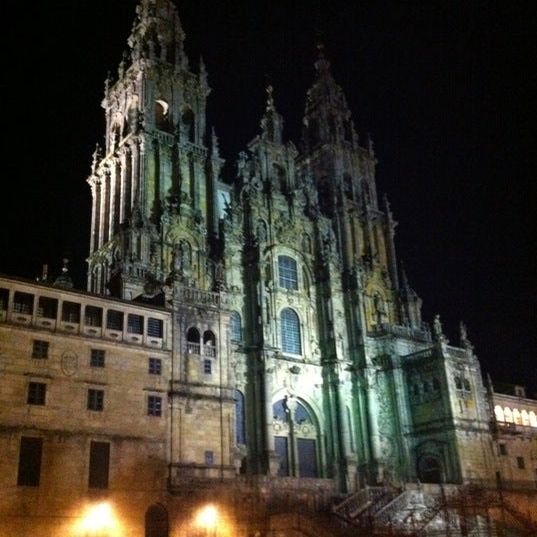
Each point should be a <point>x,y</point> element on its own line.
<point>272,121</point>
<point>327,118</point>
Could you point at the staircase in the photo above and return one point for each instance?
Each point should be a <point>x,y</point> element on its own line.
<point>359,509</point>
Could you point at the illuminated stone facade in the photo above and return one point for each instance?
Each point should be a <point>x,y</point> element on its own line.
<point>294,360</point>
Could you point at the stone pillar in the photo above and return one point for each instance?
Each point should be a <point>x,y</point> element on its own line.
<point>273,464</point>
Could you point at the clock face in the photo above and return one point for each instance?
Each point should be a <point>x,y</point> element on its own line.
<point>69,363</point>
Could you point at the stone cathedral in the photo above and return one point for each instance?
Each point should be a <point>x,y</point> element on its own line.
<point>251,341</point>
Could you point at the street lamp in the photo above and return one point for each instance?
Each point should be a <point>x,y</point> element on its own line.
<point>207,519</point>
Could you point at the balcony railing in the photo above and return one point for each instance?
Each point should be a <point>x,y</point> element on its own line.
<point>407,332</point>
<point>191,295</point>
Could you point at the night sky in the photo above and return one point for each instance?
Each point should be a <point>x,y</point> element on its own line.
<point>444,88</point>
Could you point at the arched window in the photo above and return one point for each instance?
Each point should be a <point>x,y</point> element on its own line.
<point>235,326</point>
<point>508,414</point>
<point>525,418</point>
<point>533,419</point>
<point>287,270</point>
<point>516,417</point>
<point>290,332</point>
<point>156,521</point>
<point>240,418</point>
<point>498,411</point>
<point>209,344</point>
<point>162,117</point>
<point>193,341</point>
<point>296,439</point>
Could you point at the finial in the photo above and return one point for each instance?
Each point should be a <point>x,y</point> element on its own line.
<point>370,144</point>
<point>107,82</point>
<point>404,277</point>
<point>465,342</point>
<point>270,98</point>
<point>214,143</point>
<point>95,157</point>
<point>437,326</point>
<point>203,72</point>
<point>322,64</point>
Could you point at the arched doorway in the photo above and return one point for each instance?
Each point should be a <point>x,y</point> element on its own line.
<point>156,521</point>
<point>296,439</point>
<point>429,469</point>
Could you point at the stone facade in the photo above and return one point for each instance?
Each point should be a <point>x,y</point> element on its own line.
<point>294,362</point>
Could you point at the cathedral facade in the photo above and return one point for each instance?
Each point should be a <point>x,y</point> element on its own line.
<point>265,327</point>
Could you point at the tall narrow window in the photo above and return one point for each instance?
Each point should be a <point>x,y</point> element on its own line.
<point>240,422</point>
<point>99,465</point>
<point>287,270</point>
<point>235,326</point>
<point>29,462</point>
<point>290,332</point>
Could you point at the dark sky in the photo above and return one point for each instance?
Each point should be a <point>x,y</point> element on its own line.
<point>445,89</point>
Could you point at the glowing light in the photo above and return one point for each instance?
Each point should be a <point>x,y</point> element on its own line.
<point>207,517</point>
<point>98,520</point>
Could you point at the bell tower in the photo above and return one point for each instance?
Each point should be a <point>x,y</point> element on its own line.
<point>153,181</point>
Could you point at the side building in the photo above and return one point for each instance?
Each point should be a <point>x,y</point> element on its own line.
<point>84,410</point>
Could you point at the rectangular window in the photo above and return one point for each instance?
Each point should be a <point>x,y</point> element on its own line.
<point>23,303</point>
<point>71,312</point>
<point>37,393</point>
<point>99,465</point>
<point>40,349</point>
<point>30,462</point>
<point>154,405</point>
<point>521,464</point>
<point>307,458</point>
<point>207,367</point>
<point>154,327</point>
<point>47,307</point>
<point>114,320</point>
<point>209,458</point>
<point>503,449</point>
<point>155,366</point>
<point>96,400</point>
<point>93,316</point>
<point>135,324</point>
<point>97,358</point>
